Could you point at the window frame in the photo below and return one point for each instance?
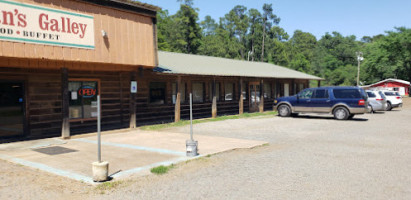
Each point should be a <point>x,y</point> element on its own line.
<point>192,90</point>
<point>165,93</point>
<point>98,93</point>
<point>232,92</point>
<point>326,94</point>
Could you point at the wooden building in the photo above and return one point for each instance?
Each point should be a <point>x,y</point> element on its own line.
<point>219,86</point>
<point>56,56</point>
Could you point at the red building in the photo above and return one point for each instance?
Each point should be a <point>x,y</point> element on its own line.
<point>403,87</point>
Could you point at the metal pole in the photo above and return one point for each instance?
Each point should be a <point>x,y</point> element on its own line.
<point>191,116</point>
<point>98,130</point>
<point>358,73</point>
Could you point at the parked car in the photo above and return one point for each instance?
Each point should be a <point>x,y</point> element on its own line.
<point>342,102</point>
<point>393,101</point>
<point>376,101</point>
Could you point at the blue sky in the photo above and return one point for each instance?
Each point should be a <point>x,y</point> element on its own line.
<point>348,17</point>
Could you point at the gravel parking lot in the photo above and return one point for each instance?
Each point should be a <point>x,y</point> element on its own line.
<point>309,157</point>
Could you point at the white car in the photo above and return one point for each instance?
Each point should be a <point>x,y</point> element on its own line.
<point>393,101</point>
<point>376,101</point>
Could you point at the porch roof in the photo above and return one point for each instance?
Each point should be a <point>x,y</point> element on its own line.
<point>179,63</point>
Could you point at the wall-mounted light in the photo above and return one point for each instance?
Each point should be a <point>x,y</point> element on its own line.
<point>104,33</point>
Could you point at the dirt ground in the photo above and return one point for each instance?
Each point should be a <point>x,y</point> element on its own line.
<point>309,157</point>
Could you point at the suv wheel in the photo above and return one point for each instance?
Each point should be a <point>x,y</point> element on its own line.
<point>284,111</point>
<point>341,113</point>
<point>389,107</point>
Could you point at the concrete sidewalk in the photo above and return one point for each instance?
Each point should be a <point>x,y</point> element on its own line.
<point>129,152</point>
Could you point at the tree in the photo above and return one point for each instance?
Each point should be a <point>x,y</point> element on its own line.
<point>255,24</point>
<point>335,53</point>
<point>301,50</point>
<point>390,56</point>
<point>208,26</point>
<point>268,20</point>
<point>188,36</point>
<point>164,23</point>
<point>236,22</point>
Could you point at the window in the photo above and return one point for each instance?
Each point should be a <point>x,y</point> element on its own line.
<point>371,94</point>
<point>182,93</point>
<point>301,87</point>
<point>157,92</point>
<point>198,92</point>
<point>347,93</point>
<point>217,91</point>
<point>389,93</point>
<point>244,91</point>
<point>305,94</point>
<point>321,94</point>
<point>229,91</point>
<point>286,89</point>
<point>267,91</point>
<point>83,99</point>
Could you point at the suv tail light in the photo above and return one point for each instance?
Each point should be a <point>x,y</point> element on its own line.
<point>380,99</point>
<point>398,97</point>
<point>361,102</point>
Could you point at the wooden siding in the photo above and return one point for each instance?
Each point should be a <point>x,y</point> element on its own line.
<point>44,99</point>
<point>130,39</point>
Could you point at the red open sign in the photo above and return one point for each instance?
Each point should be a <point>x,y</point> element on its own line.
<point>87,92</point>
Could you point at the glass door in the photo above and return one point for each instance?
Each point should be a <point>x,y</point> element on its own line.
<point>11,108</point>
<point>254,91</point>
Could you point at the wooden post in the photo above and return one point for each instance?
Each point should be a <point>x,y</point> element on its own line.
<point>133,119</point>
<point>177,110</point>
<point>214,105</point>
<point>292,87</point>
<point>261,105</point>
<point>121,99</point>
<point>241,100</point>
<point>319,83</point>
<point>65,127</point>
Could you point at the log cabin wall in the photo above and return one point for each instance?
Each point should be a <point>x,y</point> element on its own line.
<point>151,113</point>
<point>44,100</point>
<point>44,105</point>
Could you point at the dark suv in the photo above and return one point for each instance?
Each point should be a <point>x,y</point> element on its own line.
<point>342,102</point>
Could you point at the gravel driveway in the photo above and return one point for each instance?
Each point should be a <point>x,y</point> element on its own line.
<point>309,157</point>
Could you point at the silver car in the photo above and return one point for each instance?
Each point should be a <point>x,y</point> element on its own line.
<point>376,101</point>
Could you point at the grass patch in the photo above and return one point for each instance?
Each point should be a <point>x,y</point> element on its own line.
<point>109,185</point>
<point>161,169</point>
<point>197,121</point>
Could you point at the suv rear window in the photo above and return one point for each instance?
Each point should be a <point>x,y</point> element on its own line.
<point>347,93</point>
<point>389,94</point>
<point>371,94</point>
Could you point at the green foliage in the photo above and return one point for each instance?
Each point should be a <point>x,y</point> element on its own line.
<point>250,34</point>
<point>161,169</point>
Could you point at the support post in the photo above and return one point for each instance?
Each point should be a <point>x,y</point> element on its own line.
<point>319,83</point>
<point>241,98</point>
<point>133,119</point>
<point>177,109</point>
<point>65,127</point>
<point>214,105</point>
<point>261,105</point>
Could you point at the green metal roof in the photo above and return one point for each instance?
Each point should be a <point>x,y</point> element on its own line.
<point>179,63</point>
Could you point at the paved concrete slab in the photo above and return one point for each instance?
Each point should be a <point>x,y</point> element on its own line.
<point>128,152</point>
